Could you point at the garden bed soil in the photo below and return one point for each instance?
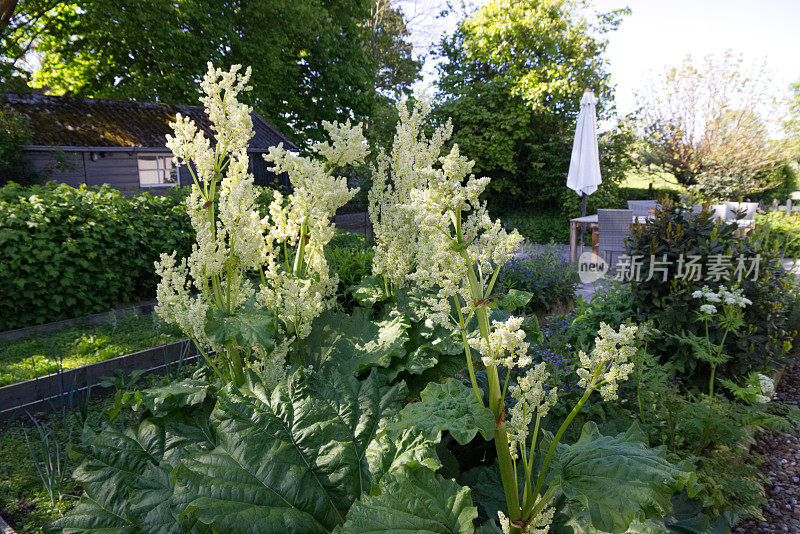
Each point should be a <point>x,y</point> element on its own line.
<point>781,454</point>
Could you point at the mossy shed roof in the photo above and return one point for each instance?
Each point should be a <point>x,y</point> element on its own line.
<point>68,121</point>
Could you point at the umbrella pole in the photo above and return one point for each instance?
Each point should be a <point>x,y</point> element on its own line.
<point>583,224</point>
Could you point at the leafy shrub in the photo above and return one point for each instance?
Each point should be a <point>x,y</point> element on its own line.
<point>538,226</point>
<point>643,193</point>
<point>68,252</point>
<point>545,273</point>
<point>350,257</point>
<point>607,196</point>
<point>611,304</point>
<point>670,304</point>
<point>781,229</point>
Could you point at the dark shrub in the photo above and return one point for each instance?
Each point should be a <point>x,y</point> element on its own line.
<point>673,233</point>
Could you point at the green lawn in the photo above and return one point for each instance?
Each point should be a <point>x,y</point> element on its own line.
<point>40,355</point>
<point>641,179</point>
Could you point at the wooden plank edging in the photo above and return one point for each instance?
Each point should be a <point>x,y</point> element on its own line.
<point>57,389</point>
<point>143,308</point>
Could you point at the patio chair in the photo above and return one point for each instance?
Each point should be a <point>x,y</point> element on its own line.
<point>697,209</point>
<point>642,208</point>
<point>613,227</point>
<point>719,211</point>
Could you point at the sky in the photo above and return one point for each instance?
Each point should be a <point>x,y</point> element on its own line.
<point>660,33</point>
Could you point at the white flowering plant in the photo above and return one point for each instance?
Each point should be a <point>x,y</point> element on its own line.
<point>725,307</point>
<point>252,285</point>
<point>432,230</point>
<point>757,389</point>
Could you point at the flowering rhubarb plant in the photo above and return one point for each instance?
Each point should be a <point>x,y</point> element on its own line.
<point>432,230</point>
<point>331,443</point>
<point>212,295</point>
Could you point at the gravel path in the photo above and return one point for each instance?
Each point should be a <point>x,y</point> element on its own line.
<point>781,453</point>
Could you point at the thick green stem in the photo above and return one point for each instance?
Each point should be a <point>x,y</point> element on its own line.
<point>552,449</point>
<point>467,352</point>
<point>711,382</point>
<point>506,464</point>
<point>236,365</point>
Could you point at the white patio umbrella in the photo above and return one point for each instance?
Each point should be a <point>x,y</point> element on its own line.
<point>584,165</point>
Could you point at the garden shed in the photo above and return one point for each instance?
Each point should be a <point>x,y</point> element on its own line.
<point>121,143</point>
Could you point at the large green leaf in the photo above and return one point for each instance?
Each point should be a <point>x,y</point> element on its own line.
<point>616,479</point>
<point>291,461</point>
<point>450,406</point>
<point>96,517</point>
<point>126,481</point>
<point>188,392</point>
<point>246,328</point>
<point>345,344</point>
<point>413,501</point>
<point>369,290</point>
<point>512,300</point>
<point>409,449</point>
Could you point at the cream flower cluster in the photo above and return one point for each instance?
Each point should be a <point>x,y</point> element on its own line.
<point>439,264</point>
<point>299,297</point>
<point>232,240</point>
<point>228,229</point>
<point>608,364</point>
<point>538,525</point>
<point>767,386</point>
<point>506,345</point>
<point>175,303</point>
<point>531,399</point>
<point>407,167</point>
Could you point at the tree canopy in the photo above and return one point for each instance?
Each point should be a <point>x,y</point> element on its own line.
<point>512,78</point>
<point>715,124</point>
<point>311,60</point>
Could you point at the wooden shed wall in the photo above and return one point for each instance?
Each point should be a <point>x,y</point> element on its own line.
<point>121,170</point>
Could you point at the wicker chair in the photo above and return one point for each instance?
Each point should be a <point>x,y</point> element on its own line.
<point>642,208</point>
<point>614,226</point>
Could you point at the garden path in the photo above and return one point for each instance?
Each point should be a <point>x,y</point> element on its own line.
<point>781,454</point>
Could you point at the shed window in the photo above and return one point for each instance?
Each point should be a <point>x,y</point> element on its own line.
<point>155,171</point>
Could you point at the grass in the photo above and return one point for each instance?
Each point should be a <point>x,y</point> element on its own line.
<point>24,503</point>
<point>641,179</point>
<point>74,347</point>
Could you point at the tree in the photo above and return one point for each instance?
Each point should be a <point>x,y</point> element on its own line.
<point>311,60</point>
<point>512,80</point>
<point>20,24</point>
<point>714,125</point>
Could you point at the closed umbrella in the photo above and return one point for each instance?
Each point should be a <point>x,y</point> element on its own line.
<point>584,165</point>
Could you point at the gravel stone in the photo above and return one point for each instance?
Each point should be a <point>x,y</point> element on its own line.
<point>781,452</point>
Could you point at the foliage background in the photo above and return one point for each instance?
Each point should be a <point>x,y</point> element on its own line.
<point>68,252</point>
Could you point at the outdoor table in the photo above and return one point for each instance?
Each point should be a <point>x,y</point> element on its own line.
<point>591,220</point>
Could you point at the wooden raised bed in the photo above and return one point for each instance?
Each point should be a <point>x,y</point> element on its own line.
<point>142,308</point>
<point>57,389</point>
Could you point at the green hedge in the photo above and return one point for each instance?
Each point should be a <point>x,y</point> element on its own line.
<point>69,252</point>
<point>538,226</point>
